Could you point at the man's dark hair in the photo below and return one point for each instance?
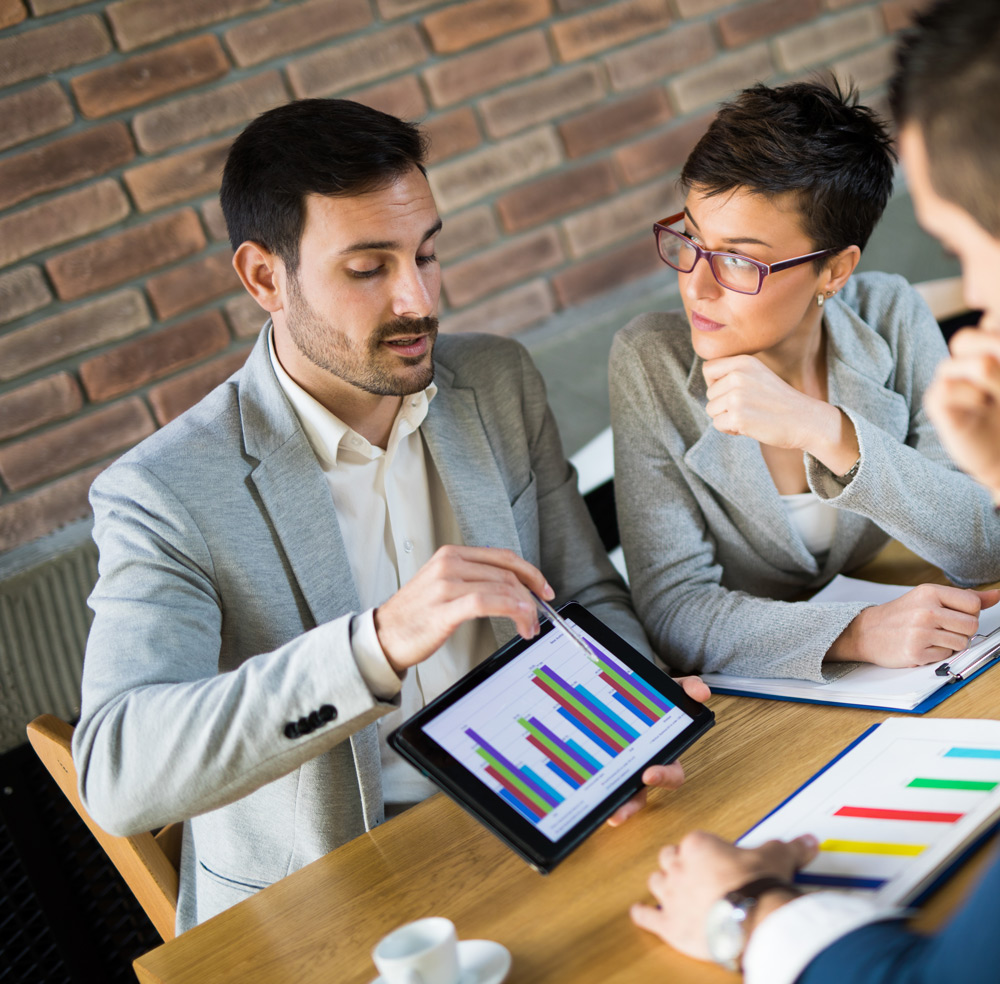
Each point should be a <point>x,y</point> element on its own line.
<point>310,147</point>
<point>807,138</point>
<point>947,81</point>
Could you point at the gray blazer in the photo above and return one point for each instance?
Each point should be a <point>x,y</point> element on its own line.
<point>224,605</point>
<point>712,557</point>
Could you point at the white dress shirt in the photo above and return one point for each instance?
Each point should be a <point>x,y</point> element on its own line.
<point>393,513</point>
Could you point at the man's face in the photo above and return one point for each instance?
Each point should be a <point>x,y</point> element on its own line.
<point>361,307</point>
<point>977,251</point>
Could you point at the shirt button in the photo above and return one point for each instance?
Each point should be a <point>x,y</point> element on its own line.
<point>414,403</point>
<point>408,546</point>
<point>356,441</point>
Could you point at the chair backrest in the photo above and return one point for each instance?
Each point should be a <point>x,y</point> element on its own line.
<point>148,864</point>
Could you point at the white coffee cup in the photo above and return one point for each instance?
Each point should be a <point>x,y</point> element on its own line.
<point>421,952</point>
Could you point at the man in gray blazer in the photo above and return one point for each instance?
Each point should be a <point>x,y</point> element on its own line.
<point>329,538</point>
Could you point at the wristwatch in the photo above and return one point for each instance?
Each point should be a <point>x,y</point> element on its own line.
<point>725,924</point>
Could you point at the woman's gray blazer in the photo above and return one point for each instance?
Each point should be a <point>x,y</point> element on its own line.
<point>706,538</point>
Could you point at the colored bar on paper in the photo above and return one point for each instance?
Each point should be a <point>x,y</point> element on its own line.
<point>644,717</point>
<point>539,781</point>
<point>516,783</point>
<point>837,881</point>
<point>973,785</point>
<point>872,847</point>
<point>552,757</point>
<point>919,816</point>
<point>637,681</point>
<point>586,731</point>
<point>552,751</point>
<point>627,684</point>
<point>972,753</point>
<point>640,706</point>
<point>535,810</point>
<point>573,706</point>
<point>561,690</point>
<point>606,714</point>
<point>565,776</point>
<point>518,805</point>
<point>572,750</point>
<point>500,762</point>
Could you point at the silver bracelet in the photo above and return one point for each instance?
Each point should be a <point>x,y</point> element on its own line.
<point>851,472</point>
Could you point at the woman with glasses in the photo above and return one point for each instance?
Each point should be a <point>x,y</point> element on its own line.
<point>771,435</point>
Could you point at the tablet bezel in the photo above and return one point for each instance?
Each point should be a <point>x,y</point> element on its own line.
<point>491,810</point>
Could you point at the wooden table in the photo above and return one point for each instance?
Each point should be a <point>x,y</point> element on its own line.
<point>318,925</point>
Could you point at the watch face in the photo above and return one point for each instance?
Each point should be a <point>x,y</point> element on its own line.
<point>724,931</point>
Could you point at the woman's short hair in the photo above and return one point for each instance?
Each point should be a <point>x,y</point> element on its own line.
<point>808,139</point>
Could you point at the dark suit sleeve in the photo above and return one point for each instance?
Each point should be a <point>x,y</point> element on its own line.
<point>967,949</point>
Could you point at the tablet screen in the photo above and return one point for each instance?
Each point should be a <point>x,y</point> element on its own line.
<point>554,733</point>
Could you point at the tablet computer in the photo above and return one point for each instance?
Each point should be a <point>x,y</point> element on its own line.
<point>542,744</point>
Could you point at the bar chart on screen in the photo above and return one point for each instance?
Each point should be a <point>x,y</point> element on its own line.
<point>551,738</point>
<point>896,808</point>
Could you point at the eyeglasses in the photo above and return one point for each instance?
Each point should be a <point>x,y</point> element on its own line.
<point>738,273</point>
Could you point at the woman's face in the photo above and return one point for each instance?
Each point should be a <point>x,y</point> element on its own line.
<point>785,312</point>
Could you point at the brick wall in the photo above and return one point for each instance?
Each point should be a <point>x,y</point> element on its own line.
<point>558,127</point>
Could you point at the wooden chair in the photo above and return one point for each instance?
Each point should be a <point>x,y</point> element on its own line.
<point>148,864</point>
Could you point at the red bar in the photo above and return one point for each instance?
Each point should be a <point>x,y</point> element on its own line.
<point>514,791</point>
<point>558,761</point>
<point>615,743</point>
<point>631,698</point>
<point>876,814</point>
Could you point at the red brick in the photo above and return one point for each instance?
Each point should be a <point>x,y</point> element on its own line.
<point>401,97</point>
<point>357,62</point>
<point>64,162</point>
<point>608,27</point>
<point>661,56</point>
<point>48,49</point>
<point>460,26</point>
<point>503,266</point>
<point>494,168</point>
<point>487,68</point>
<point>839,4</point>
<point>69,332</point>
<point>764,19</point>
<point>207,113</point>
<point>301,26</point>
<point>190,174</point>
<point>139,22</point>
<point>869,69</point>
<point>465,232</point>
<point>622,217</point>
<point>541,100</point>
<point>245,316</point>
<point>22,291</point>
<point>899,13</point>
<point>662,153</point>
<point>38,403</point>
<point>133,364</point>
<point>721,77</point>
<point>142,78</point>
<point>505,314</point>
<point>33,113</point>
<point>44,511</point>
<point>695,8</point>
<point>575,6</point>
<point>215,221</point>
<point>192,285</point>
<point>41,7</point>
<point>115,259</point>
<point>826,38</point>
<point>603,273</point>
<point>614,122</point>
<point>451,133</point>
<point>11,12</point>
<point>172,398</point>
<point>400,8</point>
<point>60,220</point>
<point>69,446</point>
<point>555,195</point>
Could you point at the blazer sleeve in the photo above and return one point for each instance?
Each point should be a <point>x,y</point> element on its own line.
<point>967,949</point>
<point>164,735</point>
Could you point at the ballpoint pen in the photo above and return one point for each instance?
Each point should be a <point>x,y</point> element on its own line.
<point>560,623</point>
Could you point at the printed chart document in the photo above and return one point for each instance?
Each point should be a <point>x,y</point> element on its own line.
<point>897,809</point>
<point>913,689</point>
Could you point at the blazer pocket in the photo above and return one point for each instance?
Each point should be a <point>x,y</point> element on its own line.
<point>247,887</point>
<point>524,509</point>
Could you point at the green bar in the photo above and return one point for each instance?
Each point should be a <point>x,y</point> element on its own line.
<point>973,784</point>
<point>516,780</point>
<point>602,729</point>
<point>574,767</point>
<point>657,712</point>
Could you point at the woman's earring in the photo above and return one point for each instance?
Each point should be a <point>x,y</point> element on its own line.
<point>820,300</point>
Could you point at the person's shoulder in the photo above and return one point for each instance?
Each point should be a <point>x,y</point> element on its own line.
<point>660,338</point>
<point>475,356</point>
<point>891,307</point>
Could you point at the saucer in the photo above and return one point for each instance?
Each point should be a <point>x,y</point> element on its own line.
<point>479,961</point>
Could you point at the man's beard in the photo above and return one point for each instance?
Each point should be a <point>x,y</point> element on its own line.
<point>374,370</point>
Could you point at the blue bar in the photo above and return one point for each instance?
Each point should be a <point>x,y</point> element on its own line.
<point>635,710</point>
<point>589,759</point>
<point>566,778</point>
<point>518,805</point>
<point>837,881</point>
<point>972,753</point>
<point>606,714</point>
<point>598,711</point>
<point>556,798</point>
<point>574,752</point>
<point>657,698</point>
<point>590,734</point>
<point>510,765</point>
